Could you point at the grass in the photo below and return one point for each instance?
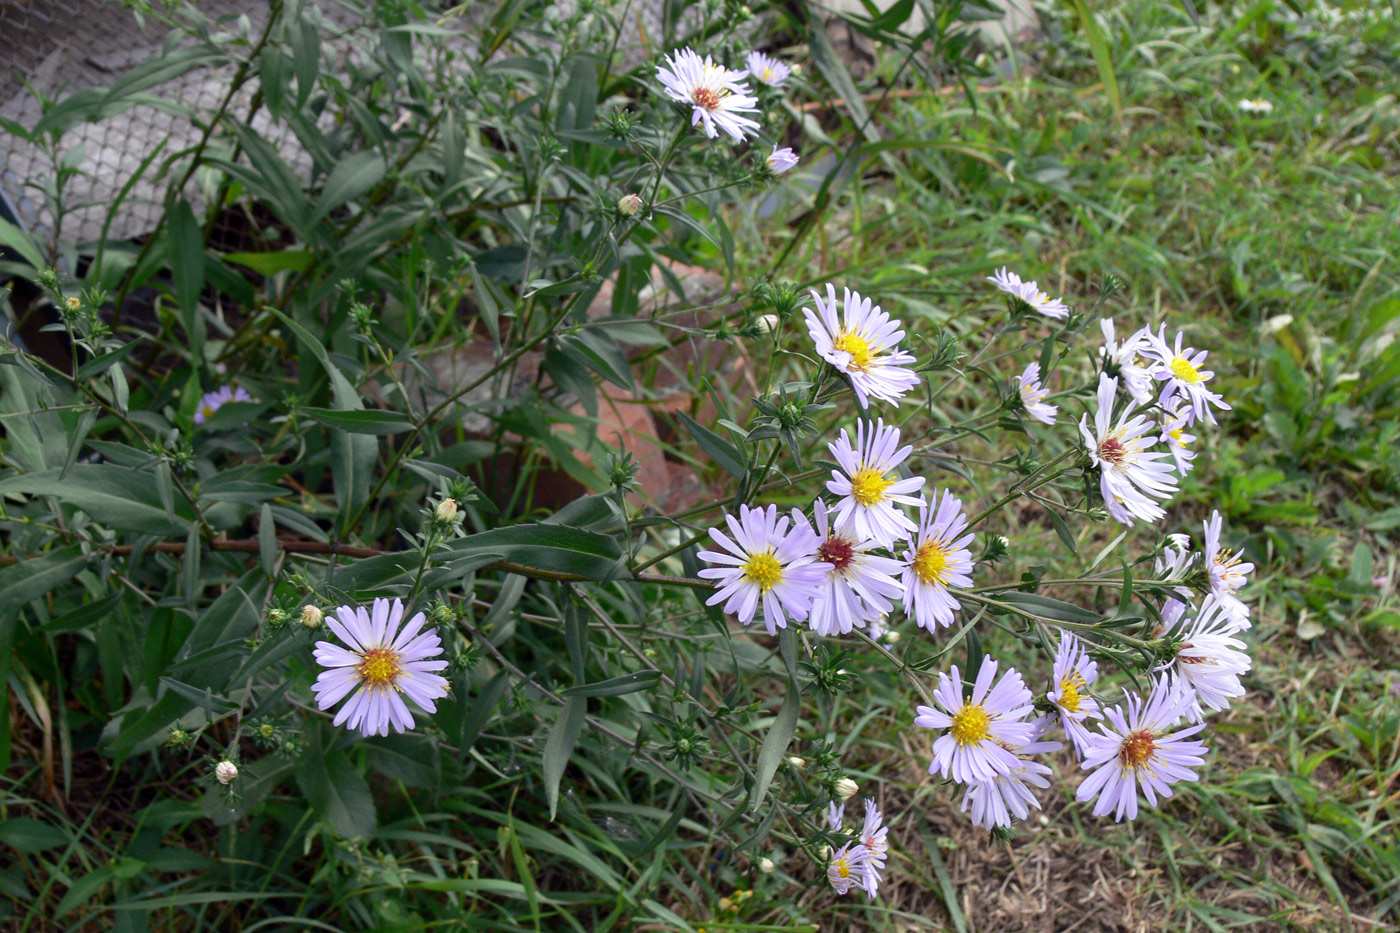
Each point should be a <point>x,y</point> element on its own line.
<point>1272,239</point>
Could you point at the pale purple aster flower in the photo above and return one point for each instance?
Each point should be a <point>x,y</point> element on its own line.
<point>1140,749</point>
<point>997,801</point>
<point>381,664</point>
<point>846,867</point>
<point>767,564</point>
<point>1209,659</point>
<point>938,558</point>
<point>1228,573</point>
<point>870,496</point>
<point>213,401</point>
<point>1126,363</point>
<point>766,69</point>
<point>974,747</point>
<point>717,94</point>
<point>873,838</point>
<point>1033,396</point>
<point>1030,293</point>
<point>835,815</point>
<point>1130,475</point>
<point>1180,368</point>
<point>860,586</point>
<point>781,160</point>
<point>1177,440</point>
<point>863,343</point>
<point>1074,672</point>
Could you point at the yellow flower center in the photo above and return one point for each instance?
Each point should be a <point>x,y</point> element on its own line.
<point>379,667</point>
<point>970,725</point>
<point>207,411</point>
<point>706,99</point>
<point>868,485</point>
<point>1137,749</point>
<point>764,570</point>
<point>1070,686</point>
<point>768,76</point>
<point>843,868</point>
<point>1182,369</point>
<point>1175,434</point>
<point>858,347</point>
<point>931,562</point>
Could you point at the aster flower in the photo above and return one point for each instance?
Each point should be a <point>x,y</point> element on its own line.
<point>1228,573</point>
<point>213,401</point>
<point>863,344</point>
<point>1177,440</point>
<point>980,730</point>
<point>873,838</point>
<point>1033,395</point>
<point>995,802</point>
<point>1179,368</point>
<point>1030,293</point>
<point>938,559</point>
<point>1175,561</point>
<point>1126,363</point>
<point>781,160</point>
<point>846,867</point>
<point>860,585</point>
<point>765,563</point>
<point>835,815</point>
<point>1130,476</point>
<point>1248,105</point>
<point>717,94</point>
<point>766,69</point>
<point>1140,749</point>
<point>379,666</point>
<point>1074,672</point>
<point>870,497</point>
<point>1209,659</point>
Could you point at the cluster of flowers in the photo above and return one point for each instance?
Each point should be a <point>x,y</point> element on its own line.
<point>719,97</point>
<point>835,578</point>
<point>858,863</point>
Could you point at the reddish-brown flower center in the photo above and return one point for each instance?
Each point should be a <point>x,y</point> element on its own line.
<point>706,98</point>
<point>837,552</point>
<point>1137,749</point>
<point>1113,450</point>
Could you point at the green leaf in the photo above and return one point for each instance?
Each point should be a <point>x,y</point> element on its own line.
<point>16,239</point>
<point>32,578</point>
<point>560,746</point>
<point>333,787</point>
<point>599,353</point>
<point>728,455</point>
<point>1099,46</point>
<point>184,239</point>
<point>775,744</point>
<point>1046,608</point>
<point>269,264</point>
<point>412,759</point>
<point>616,686</point>
<point>351,177</point>
<point>558,548</point>
<point>362,421</point>
<point>30,835</point>
<point>119,497</point>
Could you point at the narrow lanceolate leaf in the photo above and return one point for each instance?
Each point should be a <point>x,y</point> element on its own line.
<point>726,454</point>
<point>616,686</point>
<point>1046,608</point>
<point>775,744</point>
<point>560,746</point>
<point>363,421</point>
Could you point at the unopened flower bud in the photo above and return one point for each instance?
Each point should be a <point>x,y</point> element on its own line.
<point>74,303</point>
<point>311,617</point>
<point>766,865</point>
<point>767,323</point>
<point>892,637</point>
<point>796,762</point>
<point>628,205</point>
<point>846,788</point>
<point>277,617</point>
<point>226,772</point>
<point>446,511</point>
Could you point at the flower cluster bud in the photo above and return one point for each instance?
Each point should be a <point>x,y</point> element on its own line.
<point>845,789</point>
<point>446,511</point>
<point>226,772</point>
<point>629,205</point>
<point>311,617</point>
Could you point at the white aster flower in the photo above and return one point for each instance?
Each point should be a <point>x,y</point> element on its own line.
<point>1175,561</point>
<point>995,802</point>
<point>1256,106</point>
<point>863,343</point>
<point>1130,476</point>
<point>870,497</point>
<point>1140,749</point>
<point>859,588</point>
<point>1177,440</point>
<point>1030,293</point>
<point>378,666</point>
<point>717,94</point>
<point>1033,395</point>
<point>1179,368</point>
<point>781,160</point>
<point>765,563</point>
<point>1228,573</point>
<point>846,867</point>
<point>1126,363</point>
<point>1209,659</point>
<point>1074,672</point>
<point>873,838</point>
<point>836,814</point>
<point>979,729</point>
<point>938,558</point>
<point>766,69</point>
